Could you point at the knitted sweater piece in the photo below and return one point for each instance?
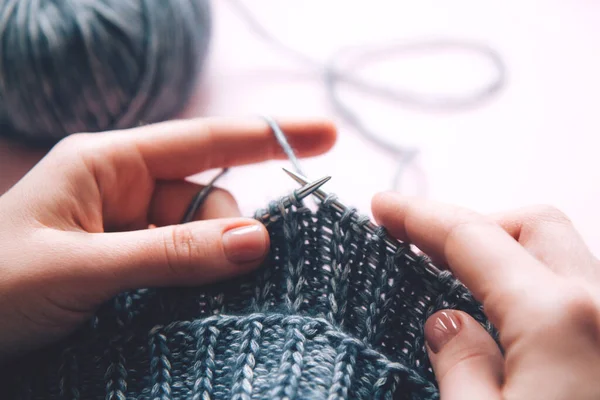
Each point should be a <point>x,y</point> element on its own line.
<point>330,315</point>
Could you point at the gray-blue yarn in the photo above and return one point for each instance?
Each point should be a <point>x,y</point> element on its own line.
<point>71,66</point>
<point>330,315</point>
<point>283,143</point>
<point>334,76</point>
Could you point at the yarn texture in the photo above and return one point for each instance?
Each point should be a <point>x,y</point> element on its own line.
<point>69,66</point>
<point>330,315</point>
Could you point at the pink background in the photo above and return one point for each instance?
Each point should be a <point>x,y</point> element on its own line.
<point>535,143</point>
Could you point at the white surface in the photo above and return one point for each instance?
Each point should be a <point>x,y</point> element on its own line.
<point>535,143</point>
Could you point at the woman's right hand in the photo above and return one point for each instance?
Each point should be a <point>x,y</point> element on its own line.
<point>539,285</point>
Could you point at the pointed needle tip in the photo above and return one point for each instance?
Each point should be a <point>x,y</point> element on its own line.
<point>312,187</point>
<point>298,178</point>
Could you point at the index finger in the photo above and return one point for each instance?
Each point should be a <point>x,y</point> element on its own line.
<point>177,149</point>
<point>479,252</point>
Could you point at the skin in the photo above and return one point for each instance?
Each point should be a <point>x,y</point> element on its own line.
<point>539,286</point>
<point>85,207</point>
<point>74,229</point>
<point>15,160</point>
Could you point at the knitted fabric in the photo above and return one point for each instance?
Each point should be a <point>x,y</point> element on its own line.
<point>330,315</point>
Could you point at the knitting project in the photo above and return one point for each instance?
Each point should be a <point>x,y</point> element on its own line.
<point>330,315</point>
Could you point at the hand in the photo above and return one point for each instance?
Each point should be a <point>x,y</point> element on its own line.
<point>539,285</point>
<point>73,231</point>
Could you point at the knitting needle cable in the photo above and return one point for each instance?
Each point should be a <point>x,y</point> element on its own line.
<point>200,197</point>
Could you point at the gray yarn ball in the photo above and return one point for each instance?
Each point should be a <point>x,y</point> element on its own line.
<point>71,66</point>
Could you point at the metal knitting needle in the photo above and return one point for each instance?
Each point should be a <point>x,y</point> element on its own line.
<point>305,191</point>
<point>392,243</point>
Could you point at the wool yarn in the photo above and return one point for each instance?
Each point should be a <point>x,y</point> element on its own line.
<point>341,70</point>
<point>71,66</point>
<point>330,315</point>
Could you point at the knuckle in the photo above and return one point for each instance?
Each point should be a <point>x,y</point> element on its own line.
<point>469,358</point>
<point>178,248</point>
<point>75,146</point>
<point>571,307</point>
<point>73,143</point>
<point>548,213</point>
<point>183,249</point>
<point>467,228</point>
<point>475,355</point>
<point>211,138</point>
<point>503,302</point>
<point>71,151</point>
<point>577,304</point>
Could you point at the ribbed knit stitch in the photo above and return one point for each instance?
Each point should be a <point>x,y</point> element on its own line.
<point>330,315</point>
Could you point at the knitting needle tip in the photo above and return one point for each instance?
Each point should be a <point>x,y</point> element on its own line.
<point>310,188</point>
<point>298,178</point>
<point>392,242</point>
<point>300,194</point>
<point>321,195</point>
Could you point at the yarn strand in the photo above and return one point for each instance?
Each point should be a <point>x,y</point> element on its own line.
<point>90,66</point>
<point>333,76</point>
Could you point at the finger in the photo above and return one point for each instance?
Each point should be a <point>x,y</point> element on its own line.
<point>191,254</point>
<point>549,236</point>
<point>172,198</point>
<point>467,362</point>
<point>177,149</point>
<point>478,251</point>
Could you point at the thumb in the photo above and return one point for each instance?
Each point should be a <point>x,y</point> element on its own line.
<point>190,254</point>
<point>466,360</point>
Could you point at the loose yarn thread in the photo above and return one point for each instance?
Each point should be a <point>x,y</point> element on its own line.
<point>88,66</point>
<point>334,76</point>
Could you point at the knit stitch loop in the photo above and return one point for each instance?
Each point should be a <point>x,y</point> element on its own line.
<point>332,314</point>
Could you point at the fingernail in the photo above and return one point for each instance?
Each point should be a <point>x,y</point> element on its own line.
<point>440,329</point>
<point>245,244</point>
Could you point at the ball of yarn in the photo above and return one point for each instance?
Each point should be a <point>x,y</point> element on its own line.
<point>71,66</point>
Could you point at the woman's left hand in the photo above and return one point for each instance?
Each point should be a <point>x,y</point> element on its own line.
<point>73,231</point>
